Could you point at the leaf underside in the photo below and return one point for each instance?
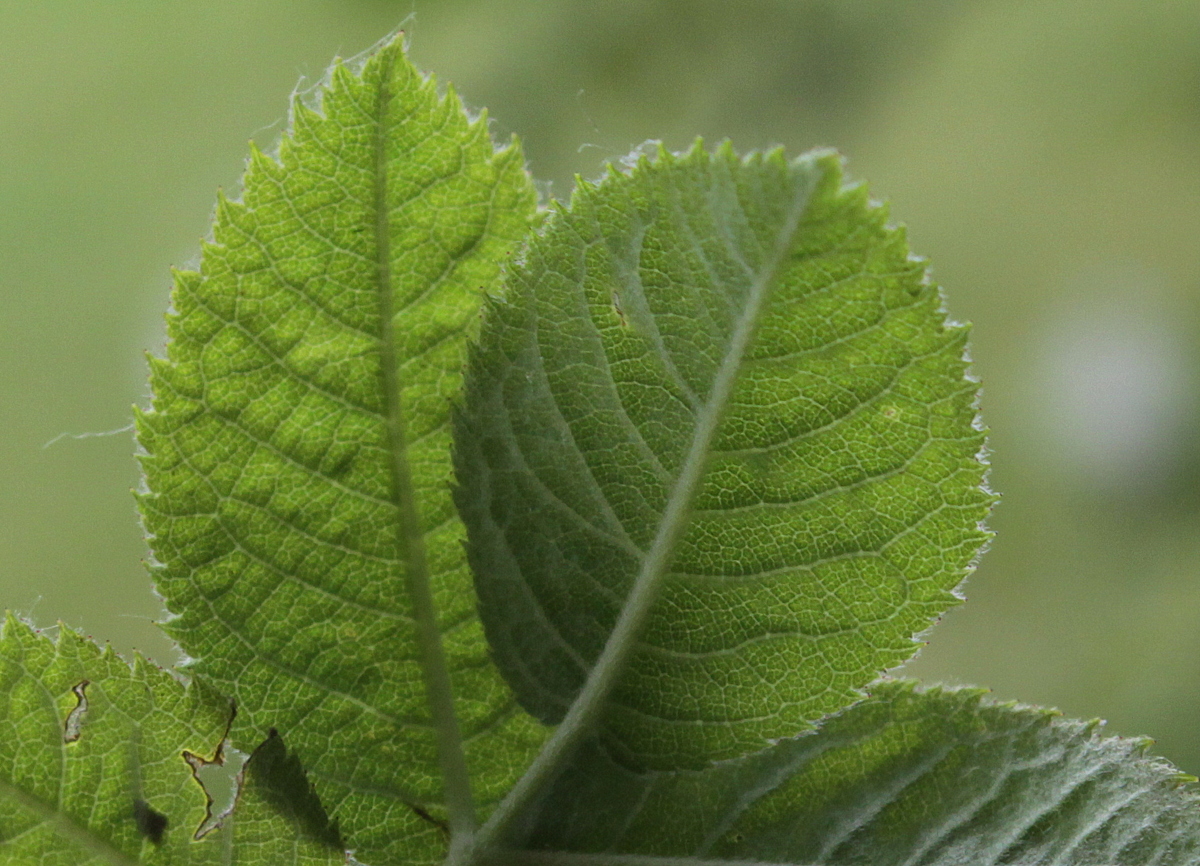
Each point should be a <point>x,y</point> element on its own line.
<point>298,449</point>
<point>92,767</point>
<point>909,776</point>
<point>755,324</point>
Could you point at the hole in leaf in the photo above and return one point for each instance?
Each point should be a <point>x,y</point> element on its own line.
<point>74,722</point>
<point>279,778</point>
<point>150,823</point>
<point>219,777</point>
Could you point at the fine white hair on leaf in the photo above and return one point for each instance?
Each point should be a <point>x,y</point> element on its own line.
<point>647,148</point>
<point>89,435</point>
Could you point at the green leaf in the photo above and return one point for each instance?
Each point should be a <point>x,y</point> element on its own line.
<point>282,782</point>
<point>718,457</point>
<point>93,767</point>
<point>298,456</point>
<point>936,778</point>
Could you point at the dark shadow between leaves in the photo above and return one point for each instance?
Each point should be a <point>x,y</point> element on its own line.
<point>279,779</point>
<point>150,823</point>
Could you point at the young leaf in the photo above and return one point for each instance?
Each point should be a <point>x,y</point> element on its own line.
<point>718,458</point>
<point>298,456</point>
<point>937,778</point>
<point>93,768</point>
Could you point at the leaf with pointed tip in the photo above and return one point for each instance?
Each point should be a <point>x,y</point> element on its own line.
<point>724,387</point>
<point>909,776</point>
<point>298,455</point>
<point>92,766</point>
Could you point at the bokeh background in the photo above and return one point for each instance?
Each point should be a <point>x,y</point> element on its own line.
<point>1045,155</point>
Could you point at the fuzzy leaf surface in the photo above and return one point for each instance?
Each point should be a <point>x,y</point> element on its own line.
<point>298,451</point>
<point>92,767</point>
<point>728,379</point>
<point>909,776</point>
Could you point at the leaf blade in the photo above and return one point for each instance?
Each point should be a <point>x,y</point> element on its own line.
<point>933,777</point>
<point>298,453</point>
<point>92,766</point>
<point>591,388</point>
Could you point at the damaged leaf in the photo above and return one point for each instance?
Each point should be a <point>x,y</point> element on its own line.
<point>298,454</point>
<point>120,792</point>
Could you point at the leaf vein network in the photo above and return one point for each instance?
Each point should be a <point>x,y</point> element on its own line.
<point>849,414</point>
<point>746,577</point>
<point>327,689</point>
<point>317,588</point>
<point>852,821</point>
<point>698,722</point>
<point>765,504</point>
<point>547,621</point>
<point>623,541</point>
<point>314,540</point>
<point>240,547</point>
<point>627,421</point>
<point>325,241</point>
<point>630,276</point>
<point>312,471</point>
<point>280,362</point>
<point>454,261</point>
<point>810,635</point>
<point>888,313</point>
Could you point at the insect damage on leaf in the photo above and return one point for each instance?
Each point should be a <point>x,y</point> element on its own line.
<point>220,777</point>
<point>74,721</point>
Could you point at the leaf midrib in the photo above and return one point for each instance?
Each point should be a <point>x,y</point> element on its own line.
<point>590,703</point>
<point>410,536</point>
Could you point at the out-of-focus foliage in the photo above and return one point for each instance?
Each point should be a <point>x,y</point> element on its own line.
<point>1047,161</point>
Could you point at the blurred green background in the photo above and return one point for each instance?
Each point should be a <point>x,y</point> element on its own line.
<point>1045,156</point>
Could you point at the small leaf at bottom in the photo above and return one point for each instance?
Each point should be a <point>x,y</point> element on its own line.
<point>909,776</point>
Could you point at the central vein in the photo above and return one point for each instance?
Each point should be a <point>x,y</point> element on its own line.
<point>410,536</point>
<point>587,708</point>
